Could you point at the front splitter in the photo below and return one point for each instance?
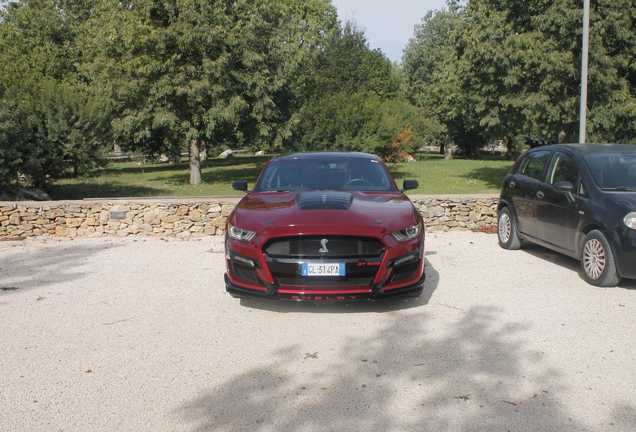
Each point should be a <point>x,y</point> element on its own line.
<point>407,291</point>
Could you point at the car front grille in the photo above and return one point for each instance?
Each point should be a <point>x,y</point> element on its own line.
<point>323,247</point>
<point>284,255</point>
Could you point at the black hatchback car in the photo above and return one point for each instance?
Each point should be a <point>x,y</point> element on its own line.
<point>577,199</point>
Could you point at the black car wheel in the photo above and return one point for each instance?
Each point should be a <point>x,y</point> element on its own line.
<point>597,261</point>
<point>507,230</point>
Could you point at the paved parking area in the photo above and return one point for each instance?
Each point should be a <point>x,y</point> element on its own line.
<point>139,335</point>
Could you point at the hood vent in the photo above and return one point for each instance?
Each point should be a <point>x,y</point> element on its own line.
<point>324,200</point>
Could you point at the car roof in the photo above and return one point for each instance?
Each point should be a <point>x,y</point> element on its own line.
<point>594,148</point>
<point>322,155</point>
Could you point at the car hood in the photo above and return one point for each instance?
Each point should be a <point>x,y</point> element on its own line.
<point>263,211</point>
<point>624,199</point>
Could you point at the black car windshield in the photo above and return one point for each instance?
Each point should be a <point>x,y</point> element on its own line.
<point>613,171</point>
<point>347,174</point>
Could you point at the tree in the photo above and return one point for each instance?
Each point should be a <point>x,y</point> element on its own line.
<point>430,70</point>
<point>48,123</point>
<point>349,99</point>
<point>195,71</point>
<point>523,59</point>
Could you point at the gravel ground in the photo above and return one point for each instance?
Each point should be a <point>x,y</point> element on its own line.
<point>139,335</point>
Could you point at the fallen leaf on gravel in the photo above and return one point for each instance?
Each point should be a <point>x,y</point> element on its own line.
<point>9,288</point>
<point>464,397</point>
<point>310,355</point>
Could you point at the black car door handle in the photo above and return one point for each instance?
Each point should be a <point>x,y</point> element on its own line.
<point>540,194</point>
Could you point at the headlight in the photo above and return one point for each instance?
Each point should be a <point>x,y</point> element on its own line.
<point>241,234</point>
<point>630,220</point>
<point>407,234</point>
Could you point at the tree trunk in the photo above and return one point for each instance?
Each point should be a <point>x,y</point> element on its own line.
<point>195,163</point>
<point>448,155</point>
<point>509,148</point>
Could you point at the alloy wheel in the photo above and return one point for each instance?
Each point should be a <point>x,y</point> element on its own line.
<point>594,259</point>
<point>504,227</point>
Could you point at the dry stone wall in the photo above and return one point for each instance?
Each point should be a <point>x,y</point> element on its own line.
<point>458,214</point>
<point>190,219</point>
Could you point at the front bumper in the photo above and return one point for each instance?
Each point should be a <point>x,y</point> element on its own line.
<point>624,244</point>
<point>376,293</point>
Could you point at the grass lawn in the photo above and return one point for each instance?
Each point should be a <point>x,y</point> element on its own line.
<point>435,175</point>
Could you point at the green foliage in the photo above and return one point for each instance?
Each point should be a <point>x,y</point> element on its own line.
<point>350,100</point>
<point>511,70</point>
<point>212,71</point>
<point>524,63</point>
<point>47,121</point>
<point>432,78</point>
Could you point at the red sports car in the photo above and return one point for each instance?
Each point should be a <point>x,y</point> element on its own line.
<point>325,227</point>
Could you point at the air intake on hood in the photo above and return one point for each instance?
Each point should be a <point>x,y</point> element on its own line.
<point>324,200</point>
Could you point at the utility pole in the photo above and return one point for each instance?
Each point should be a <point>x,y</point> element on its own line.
<point>584,62</point>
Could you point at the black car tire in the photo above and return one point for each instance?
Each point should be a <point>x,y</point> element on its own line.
<point>597,261</point>
<point>507,230</point>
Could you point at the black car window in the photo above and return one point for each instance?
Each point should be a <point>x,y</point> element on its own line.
<point>582,190</point>
<point>563,168</point>
<point>325,174</point>
<point>533,164</point>
<point>613,170</point>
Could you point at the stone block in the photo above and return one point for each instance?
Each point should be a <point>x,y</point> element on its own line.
<point>171,219</point>
<point>218,221</point>
<point>436,211</point>
<point>73,222</point>
<point>226,210</point>
<point>195,215</point>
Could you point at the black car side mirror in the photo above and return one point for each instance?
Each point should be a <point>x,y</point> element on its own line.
<point>563,187</point>
<point>409,184</point>
<point>240,185</point>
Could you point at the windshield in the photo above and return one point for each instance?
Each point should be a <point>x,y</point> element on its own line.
<point>347,174</point>
<point>613,171</point>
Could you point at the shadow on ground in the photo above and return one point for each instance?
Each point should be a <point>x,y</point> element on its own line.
<point>565,261</point>
<point>43,266</point>
<point>401,377</point>
<point>492,177</point>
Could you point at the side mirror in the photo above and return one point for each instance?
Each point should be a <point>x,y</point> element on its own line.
<point>563,187</point>
<point>241,186</point>
<point>409,184</point>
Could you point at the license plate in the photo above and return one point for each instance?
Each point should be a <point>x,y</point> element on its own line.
<point>335,269</point>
